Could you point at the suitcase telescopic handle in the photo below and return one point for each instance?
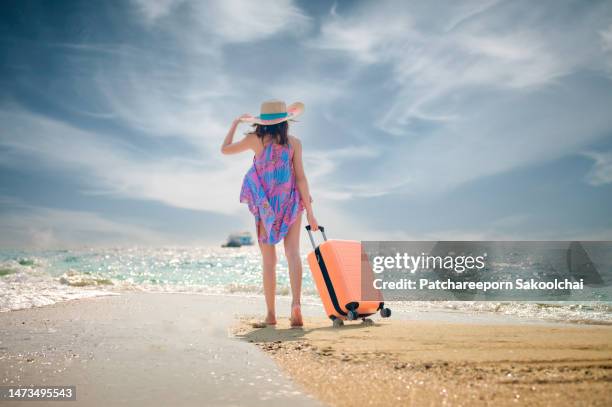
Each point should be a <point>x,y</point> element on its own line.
<point>321,228</point>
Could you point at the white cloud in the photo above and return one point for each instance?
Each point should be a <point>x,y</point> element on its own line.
<point>106,166</point>
<point>102,166</point>
<point>246,21</point>
<point>153,10</point>
<point>184,91</point>
<point>606,38</point>
<point>157,105</point>
<point>434,52</point>
<point>481,76</point>
<point>461,92</point>
<point>606,45</point>
<point>601,173</point>
<point>322,165</point>
<point>119,169</point>
<point>25,225</point>
<point>467,10</point>
<point>501,138</point>
<point>228,21</point>
<point>366,40</point>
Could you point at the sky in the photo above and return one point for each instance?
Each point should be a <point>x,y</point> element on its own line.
<point>441,120</point>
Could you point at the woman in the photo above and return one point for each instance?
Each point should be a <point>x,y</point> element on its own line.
<point>273,189</point>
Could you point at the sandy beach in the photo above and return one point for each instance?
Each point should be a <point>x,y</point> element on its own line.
<point>138,349</point>
<point>427,363</point>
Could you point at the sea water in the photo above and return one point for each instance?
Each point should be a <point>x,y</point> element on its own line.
<point>38,278</point>
<point>34,278</point>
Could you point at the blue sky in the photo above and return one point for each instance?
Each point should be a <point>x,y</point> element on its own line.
<point>424,120</point>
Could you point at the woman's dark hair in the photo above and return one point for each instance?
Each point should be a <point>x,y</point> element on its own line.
<point>277,131</point>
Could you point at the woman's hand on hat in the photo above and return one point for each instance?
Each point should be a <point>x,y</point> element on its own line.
<point>243,117</point>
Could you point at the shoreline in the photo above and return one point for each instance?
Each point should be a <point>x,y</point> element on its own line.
<point>463,311</point>
<point>133,348</point>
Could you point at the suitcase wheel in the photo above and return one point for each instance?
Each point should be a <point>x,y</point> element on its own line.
<point>337,321</point>
<point>352,315</point>
<point>385,312</point>
<point>368,322</point>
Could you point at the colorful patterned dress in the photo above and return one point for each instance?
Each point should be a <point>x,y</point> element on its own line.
<point>270,191</point>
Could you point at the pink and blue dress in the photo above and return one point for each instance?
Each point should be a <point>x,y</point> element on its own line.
<point>269,189</point>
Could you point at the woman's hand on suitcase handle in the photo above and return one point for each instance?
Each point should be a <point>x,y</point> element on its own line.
<point>312,221</point>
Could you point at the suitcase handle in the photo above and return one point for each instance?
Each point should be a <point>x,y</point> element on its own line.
<point>321,228</point>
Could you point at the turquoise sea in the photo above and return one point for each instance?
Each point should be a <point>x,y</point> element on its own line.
<point>38,278</point>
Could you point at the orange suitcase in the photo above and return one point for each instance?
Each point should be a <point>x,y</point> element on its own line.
<point>336,270</point>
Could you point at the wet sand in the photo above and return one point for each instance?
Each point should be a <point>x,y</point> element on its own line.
<point>143,349</point>
<point>426,363</point>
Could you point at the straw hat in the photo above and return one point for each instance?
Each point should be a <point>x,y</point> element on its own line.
<point>275,111</point>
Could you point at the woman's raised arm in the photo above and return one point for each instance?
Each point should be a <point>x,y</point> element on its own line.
<point>229,147</point>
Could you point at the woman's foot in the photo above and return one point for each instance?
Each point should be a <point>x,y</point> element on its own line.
<point>269,321</point>
<point>296,316</point>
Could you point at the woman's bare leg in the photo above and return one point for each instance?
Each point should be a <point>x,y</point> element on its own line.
<point>294,261</point>
<point>268,254</point>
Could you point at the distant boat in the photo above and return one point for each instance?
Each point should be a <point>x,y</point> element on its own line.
<point>239,239</point>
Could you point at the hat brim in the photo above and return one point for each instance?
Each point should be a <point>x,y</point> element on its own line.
<point>293,111</point>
